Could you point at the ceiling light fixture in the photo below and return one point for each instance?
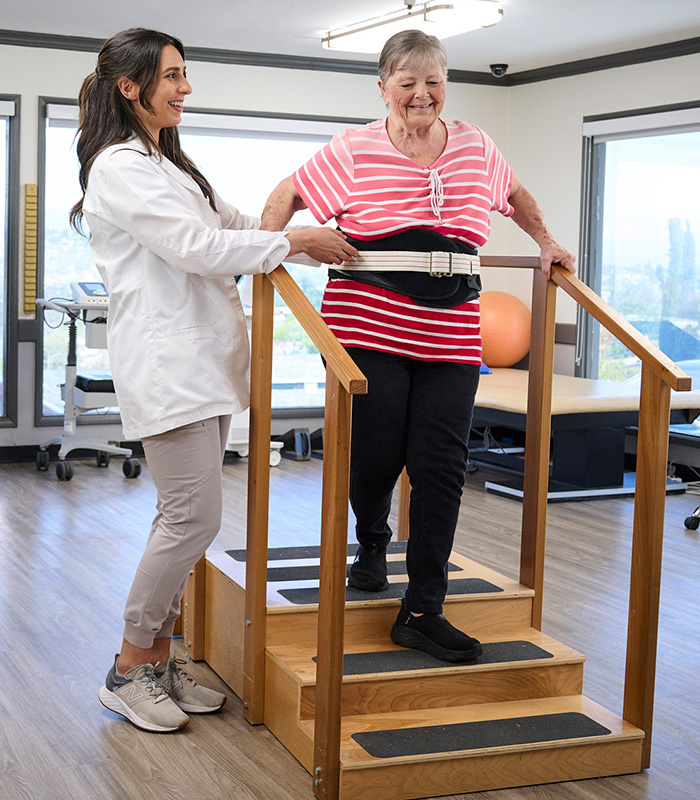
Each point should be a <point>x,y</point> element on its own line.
<point>434,17</point>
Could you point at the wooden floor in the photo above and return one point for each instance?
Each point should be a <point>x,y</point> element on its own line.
<point>67,555</point>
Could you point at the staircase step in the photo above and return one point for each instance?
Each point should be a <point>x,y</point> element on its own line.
<point>309,552</point>
<point>504,606</point>
<point>308,595</point>
<point>367,620</point>
<point>533,666</point>
<point>431,752</point>
<point>293,581</point>
<point>383,659</point>
<point>413,726</point>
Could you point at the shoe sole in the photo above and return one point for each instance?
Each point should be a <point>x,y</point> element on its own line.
<point>114,703</point>
<point>417,641</point>
<point>192,709</point>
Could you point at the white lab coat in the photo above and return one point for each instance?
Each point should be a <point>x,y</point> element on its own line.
<point>176,334</point>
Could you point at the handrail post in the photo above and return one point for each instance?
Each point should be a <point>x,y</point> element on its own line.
<point>331,596</point>
<point>258,500</point>
<point>647,544</point>
<point>539,423</point>
<point>402,527</point>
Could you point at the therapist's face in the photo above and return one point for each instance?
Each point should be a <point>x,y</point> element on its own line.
<point>166,96</point>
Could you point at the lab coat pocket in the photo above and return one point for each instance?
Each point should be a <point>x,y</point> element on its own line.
<point>192,332</point>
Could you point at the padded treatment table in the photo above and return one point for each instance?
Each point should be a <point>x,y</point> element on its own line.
<point>589,418</point>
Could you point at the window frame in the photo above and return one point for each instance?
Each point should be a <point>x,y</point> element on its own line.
<point>42,420</point>
<point>597,131</point>
<point>279,125</point>
<point>11,362</point>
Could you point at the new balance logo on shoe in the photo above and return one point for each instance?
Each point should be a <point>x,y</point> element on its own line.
<point>131,694</point>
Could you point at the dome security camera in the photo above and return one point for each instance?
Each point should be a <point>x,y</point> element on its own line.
<point>498,70</point>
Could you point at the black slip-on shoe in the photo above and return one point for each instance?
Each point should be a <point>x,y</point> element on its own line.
<point>368,570</point>
<point>434,635</point>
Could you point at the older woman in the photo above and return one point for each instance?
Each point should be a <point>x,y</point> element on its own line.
<point>413,193</point>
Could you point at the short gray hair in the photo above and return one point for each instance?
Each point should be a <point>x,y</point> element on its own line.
<point>411,47</point>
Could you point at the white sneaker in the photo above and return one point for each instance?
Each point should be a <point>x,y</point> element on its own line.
<point>185,691</point>
<point>142,699</point>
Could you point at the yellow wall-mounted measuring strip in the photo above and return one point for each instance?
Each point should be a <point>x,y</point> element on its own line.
<point>31,191</point>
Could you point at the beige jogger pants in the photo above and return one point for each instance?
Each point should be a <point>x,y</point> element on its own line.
<point>185,464</point>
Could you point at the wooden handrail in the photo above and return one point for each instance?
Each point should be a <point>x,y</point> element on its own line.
<point>537,436</point>
<point>343,379</point>
<point>335,355</point>
<point>613,321</point>
<point>508,262</point>
<point>255,639</point>
<point>647,550</point>
<point>650,355</point>
<point>659,376</point>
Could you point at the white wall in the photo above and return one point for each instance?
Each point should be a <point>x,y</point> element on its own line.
<point>537,126</point>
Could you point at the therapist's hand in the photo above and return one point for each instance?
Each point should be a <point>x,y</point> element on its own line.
<point>326,245</point>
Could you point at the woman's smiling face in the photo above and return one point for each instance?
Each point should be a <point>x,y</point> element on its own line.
<point>167,94</point>
<point>415,94</point>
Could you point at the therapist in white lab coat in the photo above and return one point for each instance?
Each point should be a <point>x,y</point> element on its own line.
<point>167,247</point>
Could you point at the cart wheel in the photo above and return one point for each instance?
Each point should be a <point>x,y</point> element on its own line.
<point>64,470</point>
<point>102,458</point>
<point>131,468</point>
<point>42,460</point>
<point>242,453</point>
<point>275,458</point>
<point>692,523</point>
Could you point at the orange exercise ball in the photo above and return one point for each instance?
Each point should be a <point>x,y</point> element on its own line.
<point>505,329</point>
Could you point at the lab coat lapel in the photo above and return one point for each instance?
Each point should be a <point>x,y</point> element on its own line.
<point>188,183</point>
<point>177,174</point>
<point>167,165</point>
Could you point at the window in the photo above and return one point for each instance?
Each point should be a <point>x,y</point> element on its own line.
<point>66,258</point>
<point>244,157</point>
<point>644,221</point>
<point>8,182</point>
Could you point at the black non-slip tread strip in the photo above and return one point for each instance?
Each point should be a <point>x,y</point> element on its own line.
<point>309,595</point>
<point>477,735</point>
<point>310,551</point>
<point>311,572</point>
<point>401,660</point>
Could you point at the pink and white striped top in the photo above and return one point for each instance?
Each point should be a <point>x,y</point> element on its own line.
<point>373,191</point>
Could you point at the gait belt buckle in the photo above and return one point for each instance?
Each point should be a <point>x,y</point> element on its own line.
<point>440,270</point>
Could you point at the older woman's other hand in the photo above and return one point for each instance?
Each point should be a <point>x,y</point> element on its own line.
<point>553,253</point>
<point>326,245</point>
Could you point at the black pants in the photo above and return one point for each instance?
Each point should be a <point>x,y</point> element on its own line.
<point>416,414</point>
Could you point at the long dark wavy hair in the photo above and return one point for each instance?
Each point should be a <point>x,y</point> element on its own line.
<point>107,117</point>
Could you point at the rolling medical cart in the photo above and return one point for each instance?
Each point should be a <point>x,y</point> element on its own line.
<point>81,394</point>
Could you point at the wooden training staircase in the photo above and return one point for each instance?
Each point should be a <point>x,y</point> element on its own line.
<point>368,719</point>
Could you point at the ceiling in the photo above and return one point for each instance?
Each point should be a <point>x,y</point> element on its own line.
<point>533,33</point>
